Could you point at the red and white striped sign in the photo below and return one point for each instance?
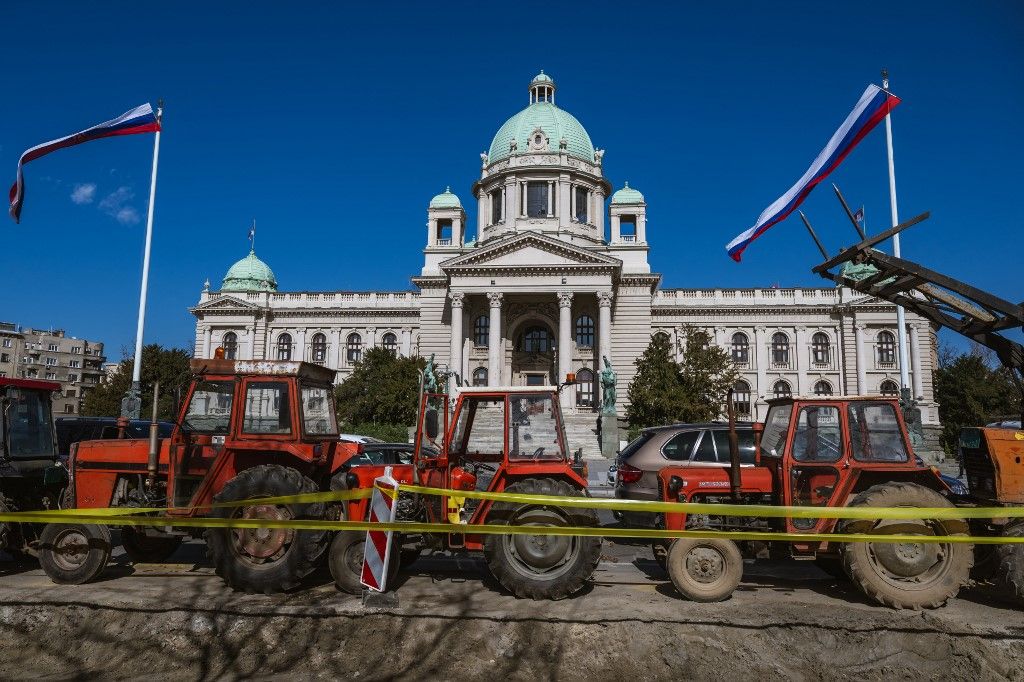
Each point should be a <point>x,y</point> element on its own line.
<point>377,551</point>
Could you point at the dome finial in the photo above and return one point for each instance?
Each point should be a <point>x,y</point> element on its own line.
<point>627,184</point>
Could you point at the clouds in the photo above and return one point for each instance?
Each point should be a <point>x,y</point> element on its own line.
<point>117,205</point>
<point>84,193</point>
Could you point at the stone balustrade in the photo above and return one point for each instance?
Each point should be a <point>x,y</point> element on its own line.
<point>733,297</point>
<point>333,299</point>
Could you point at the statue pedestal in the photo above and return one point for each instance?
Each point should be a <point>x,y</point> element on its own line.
<point>610,435</point>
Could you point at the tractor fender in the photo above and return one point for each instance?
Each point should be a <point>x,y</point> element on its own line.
<point>869,477</point>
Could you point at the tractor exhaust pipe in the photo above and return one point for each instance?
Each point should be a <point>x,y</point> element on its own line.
<point>734,449</point>
<point>152,462</point>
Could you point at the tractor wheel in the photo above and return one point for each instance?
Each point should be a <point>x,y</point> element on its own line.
<point>1010,571</point>
<point>148,549</point>
<point>541,566</point>
<point>705,570</point>
<point>6,531</point>
<point>659,548</point>
<point>346,560</point>
<point>72,554</point>
<point>266,560</point>
<point>906,575</point>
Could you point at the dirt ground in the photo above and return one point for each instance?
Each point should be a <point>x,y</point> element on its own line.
<point>176,621</point>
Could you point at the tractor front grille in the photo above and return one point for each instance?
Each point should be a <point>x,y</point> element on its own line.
<point>981,474</point>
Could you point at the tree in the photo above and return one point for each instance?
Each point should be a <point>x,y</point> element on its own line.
<point>169,366</point>
<point>380,396</point>
<point>972,391</point>
<point>664,391</point>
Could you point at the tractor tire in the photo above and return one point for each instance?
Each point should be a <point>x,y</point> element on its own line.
<point>1010,569</point>
<point>659,548</point>
<point>6,530</point>
<point>541,566</point>
<point>346,560</point>
<point>705,570</point>
<point>266,560</point>
<point>148,549</point>
<point>73,554</point>
<point>906,575</point>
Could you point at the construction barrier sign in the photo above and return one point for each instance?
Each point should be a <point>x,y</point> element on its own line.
<point>377,551</point>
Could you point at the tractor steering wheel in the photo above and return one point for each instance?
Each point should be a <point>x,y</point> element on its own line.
<point>538,453</point>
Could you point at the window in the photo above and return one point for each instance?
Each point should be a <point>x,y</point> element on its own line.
<point>318,349</point>
<point>496,207</point>
<point>822,388</point>
<point>52,348</point>
<point>820,348</point>
<point>662,337</point>
<point>680,447</point>
<point>780,349</point>
<point>745,441</point>
<point>706,449</point>
<point>390,343</point>
<point>585,331</point>
<point>70,393</point>
<point>740,348</point>
<point>875,433</point>
<point>72,363</point>
<point>481,331</point>
<point>284,347</point>
<point>76,350</point>
<point>51,362</point>
<point>72,378</point>
<point>781,389</point>
<point>69,408</point>
<point>890,388</point>
<point>266,408</point>
<point>817,437</point>
<point>584,388</point>
<point>480,376</point>
<point>51,375</point>
<point>230,345</point>
<point>741,397</point>
<point>354,347</point>
<point>582,197</point>
<point>7,343</point>
<point>535,340</point>
<point>480,413</point>
<point>209,410</point>
<point>886,349</point>
<point>537,199</point>
<point>4,357</point>
<point>318,415</point>
<point>533,428</point>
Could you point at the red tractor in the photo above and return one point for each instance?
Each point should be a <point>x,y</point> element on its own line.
<point>508,439</point>
<point>31,478</point>
<point>247,429</point>
<point>826,452</point>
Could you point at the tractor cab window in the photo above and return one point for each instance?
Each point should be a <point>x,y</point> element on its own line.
<point>533,428</point>
<point>478,431</point>
<point>209,411</point>
<point>875,433</point>
<point>318,416</point>
<point>30,429</point>
<point>267,408</point>
<point>817,437</point>
<point>776,427</point>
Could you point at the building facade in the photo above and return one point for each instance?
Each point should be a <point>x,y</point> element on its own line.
<point>554,277</point>
<point>51,355</point>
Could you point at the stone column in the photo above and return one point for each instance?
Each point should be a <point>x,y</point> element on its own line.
<point>371,332</point>
<point>862,375</point>
<point>431,231</point>
<point>455,361</point>
<point>483,215</point>
<point>597,217</point>
<point>495,354</point>
<point>564,340</point>
<point>407,342</point>
<point>641,228</point>
<point>800,353</point>
<point>207,342</point>
<point>551,198</point>
<point>616,222</point>
<point>334,349</point>
<point>565,215</point>
<point>761,364</point>
<point>250,340</point>
<point>300,346</point>
<point>915,358</point>
<point>604,327</point>
<point>573,209</point>
<point>522,199</point>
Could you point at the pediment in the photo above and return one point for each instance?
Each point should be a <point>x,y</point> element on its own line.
<point>224,303</point>
<point>530,250</point>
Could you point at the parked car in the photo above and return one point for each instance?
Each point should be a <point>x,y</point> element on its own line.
<point>637,466</point>
<point>382,454</point>
<point>71,430</point>
<point>356,438</point>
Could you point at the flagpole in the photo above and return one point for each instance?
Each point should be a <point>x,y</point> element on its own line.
<point>131,405</point>
<point>900,315</point>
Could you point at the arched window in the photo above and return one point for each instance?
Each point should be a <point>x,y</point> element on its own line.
<point>822,388</point>
<point>481,331</point>
<point>780,349</point>
<point>781,389</point>
<point>821,348</point>
<point>535,340</point>
<point>480,376</point>
<point>585,331</point>
<point>390,343</point>
<point>284,347</point>
<point>230,345</point>
<point>886,349</point>
<point>354,347</point>
<point>890,389</point>
<point>585,388</point>
<point>741,397</point>
<point>663,337</point>
<point>318,348</point>
<point>741,349</point>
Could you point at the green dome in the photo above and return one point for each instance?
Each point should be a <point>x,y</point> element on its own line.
<point>249,274</point>
<point>446,200</point>
<point>627,195</point>
<point>542,78</point>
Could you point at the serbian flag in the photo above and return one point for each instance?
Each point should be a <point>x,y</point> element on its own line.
<point>138,120</point>
<point>873,106</point>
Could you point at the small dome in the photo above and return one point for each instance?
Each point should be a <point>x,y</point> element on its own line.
<point>627,195</point>
<point>446,200</point>
<point>249,274</point>
<point>542,78</point>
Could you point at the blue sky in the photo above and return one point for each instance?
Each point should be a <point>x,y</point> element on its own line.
<point>333,124</point>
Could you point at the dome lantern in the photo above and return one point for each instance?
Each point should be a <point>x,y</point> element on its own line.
<point>542,89</point>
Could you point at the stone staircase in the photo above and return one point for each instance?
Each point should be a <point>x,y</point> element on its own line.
<point>581,432</point>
